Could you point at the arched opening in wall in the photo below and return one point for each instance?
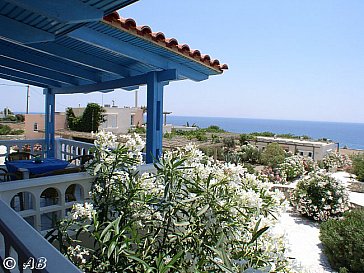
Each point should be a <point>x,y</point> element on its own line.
<point>49,197</point>
<point>74,192</point>
<point>49,220</point>
<point>22,201</point>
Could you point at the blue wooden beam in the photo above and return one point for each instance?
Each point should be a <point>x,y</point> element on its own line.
<point>154,118</point>
<point>49,122</point>
<point>133,81</point>
<point>20,80</point>
<point>43,60</point>
<point>139,54</point>
<point>37,71</point>
<point>27,78</point>
<point>116,5</point>
<point>70,11</point>
<point>84,59</point>
<point>22,33</point>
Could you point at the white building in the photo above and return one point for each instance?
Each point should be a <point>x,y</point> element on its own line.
<point>118,120</point>
<point>314,149</point>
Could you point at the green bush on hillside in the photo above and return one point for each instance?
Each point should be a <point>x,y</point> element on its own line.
<point>273,155</point>
<point>343,241</point>
<point>358,166</point>
<point>6,130</point>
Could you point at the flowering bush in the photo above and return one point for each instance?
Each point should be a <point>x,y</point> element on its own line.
<point>192,215</point>
<point>320,196</point>
<point>292,167</point>
<point>336,161</point>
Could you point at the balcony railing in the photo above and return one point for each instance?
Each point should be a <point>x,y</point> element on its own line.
<point>44,200</point>
<point>65,149</point>
<point>20,243</point>
<point>39,203</point>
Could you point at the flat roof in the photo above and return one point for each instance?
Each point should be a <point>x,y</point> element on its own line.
<point>295,141</point>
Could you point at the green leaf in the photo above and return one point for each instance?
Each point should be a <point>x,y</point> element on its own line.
<point>111,249</point>
<point>203,210</point>
<point>258,234</point>
<point>180,224</point>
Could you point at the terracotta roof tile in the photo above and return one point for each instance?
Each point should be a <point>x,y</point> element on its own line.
<point>159,37</point>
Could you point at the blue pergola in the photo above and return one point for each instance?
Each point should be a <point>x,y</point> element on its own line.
<point>83,46</point>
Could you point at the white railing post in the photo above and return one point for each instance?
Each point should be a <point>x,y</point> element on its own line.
<point>22,242</point>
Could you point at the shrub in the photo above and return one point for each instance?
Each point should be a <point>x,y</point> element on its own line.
<point>250,153</point>
<point>273,155</point>
<point>336,161</point>
<point>343,241</point>
<point>320,196</point>
<point>214,129</point>
<point>90,120</point>
<point>140,130</point>
<point>190,216</point>
<point>5,130</point>
<point>292,167</point>
<point>20,117</point>
<point>229,143</point>
<point>358,166</point>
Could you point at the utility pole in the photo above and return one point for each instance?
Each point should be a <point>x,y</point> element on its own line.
<point>28,96</point>
<point>136,99</point>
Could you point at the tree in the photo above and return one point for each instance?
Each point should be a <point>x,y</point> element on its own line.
<point>273,155</point>
<point>90,120</point>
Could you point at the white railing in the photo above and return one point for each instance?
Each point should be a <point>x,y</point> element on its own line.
<point>20,243</point>
<point>42,201</point>
<point>34,146</point>
<point>67,149</point>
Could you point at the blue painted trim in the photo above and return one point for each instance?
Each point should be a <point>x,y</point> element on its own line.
<point>20,80</point>
<point>44,61</point>
<point>104,41</point>
<point>27,78</point>
<point>154,118</point>
<point>84,59</point>
<point>162,76</point>
<point>49,122</point>
<point>70,11</point>
<point>22,33</point>
<point>37,71</point>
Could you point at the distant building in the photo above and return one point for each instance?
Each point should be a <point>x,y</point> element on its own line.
<point>34,124</point>
<point>118,120</point>
<point>314,149</point>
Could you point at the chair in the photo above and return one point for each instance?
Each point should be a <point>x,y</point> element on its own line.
<point>5,176</point>
<point>83,159</point>
<point>19,156</point>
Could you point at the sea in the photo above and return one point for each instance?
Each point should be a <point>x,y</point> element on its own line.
<point>350,135</point>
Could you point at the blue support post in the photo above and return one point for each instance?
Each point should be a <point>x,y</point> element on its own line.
<point>49,122</point>
<point>154,117</point>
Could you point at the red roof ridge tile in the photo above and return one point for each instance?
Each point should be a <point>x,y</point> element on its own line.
<point>159,37</point>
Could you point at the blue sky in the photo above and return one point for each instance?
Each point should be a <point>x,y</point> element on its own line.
<point>288,59</point>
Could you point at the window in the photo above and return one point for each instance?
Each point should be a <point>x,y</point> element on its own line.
<point>111,121</point>
<point>301,153</point>
<point>35,127</point>
<point>131,119</point>
<point>309,154</point>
